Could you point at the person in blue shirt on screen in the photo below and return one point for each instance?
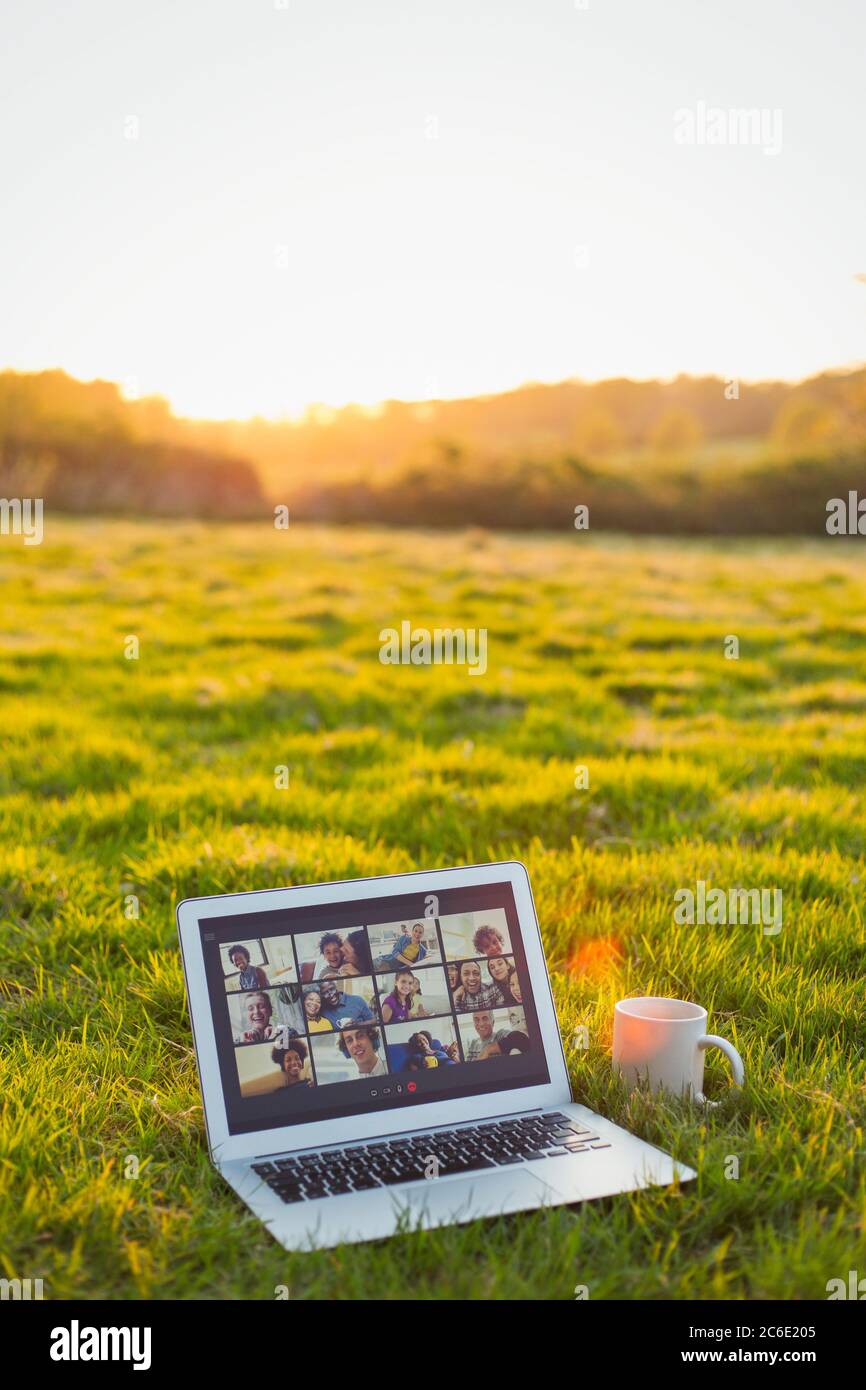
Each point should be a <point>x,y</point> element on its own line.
<point>407,950</point>
<point>426,1051</point>
<point>342,1010</point>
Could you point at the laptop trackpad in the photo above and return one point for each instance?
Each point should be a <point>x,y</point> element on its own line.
<point>439,1203</point>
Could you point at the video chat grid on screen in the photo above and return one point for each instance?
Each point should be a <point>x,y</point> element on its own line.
<point>398,1008</point>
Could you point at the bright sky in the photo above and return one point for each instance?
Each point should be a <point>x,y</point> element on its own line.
<point>333,200</point>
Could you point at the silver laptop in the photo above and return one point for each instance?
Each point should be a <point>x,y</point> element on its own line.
<point>382,1055</point>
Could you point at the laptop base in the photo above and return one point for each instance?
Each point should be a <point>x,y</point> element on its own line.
<point>629,1164</point>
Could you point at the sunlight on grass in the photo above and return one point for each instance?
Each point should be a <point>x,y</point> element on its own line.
<point>155,779</point>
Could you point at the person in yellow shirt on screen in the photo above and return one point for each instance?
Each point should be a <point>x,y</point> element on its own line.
<point>313,1010</point>
<point>426,1051</point>
<point>409,949</point>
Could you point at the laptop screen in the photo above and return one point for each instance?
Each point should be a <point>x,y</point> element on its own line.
<point>348,1008</point>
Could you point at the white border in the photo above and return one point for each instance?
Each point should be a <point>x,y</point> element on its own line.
<point>393,1120</point>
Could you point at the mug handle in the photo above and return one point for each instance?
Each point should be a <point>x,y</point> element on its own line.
<point>733,1056</point>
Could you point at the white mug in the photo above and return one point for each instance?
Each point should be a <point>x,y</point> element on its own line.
<point>663,1041</point>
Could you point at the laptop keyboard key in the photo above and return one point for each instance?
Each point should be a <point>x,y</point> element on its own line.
<point>472,1165</point>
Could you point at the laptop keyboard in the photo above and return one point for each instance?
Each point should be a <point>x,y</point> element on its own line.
<point>442,1153</point>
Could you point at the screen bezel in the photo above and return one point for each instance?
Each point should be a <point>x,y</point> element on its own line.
<point>317,1133</point>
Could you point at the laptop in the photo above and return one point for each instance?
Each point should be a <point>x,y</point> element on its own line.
<point>382,1055</point>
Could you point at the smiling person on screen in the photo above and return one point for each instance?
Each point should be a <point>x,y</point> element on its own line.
<point>258,1009</point>
<point>331,951</point>
<point>313,1011</point>
<point>487,1043</point>
<point>488,941</point>
<point>290,1061</point>
<point>342,1010</point>
<point>250,976</point>
<point>472,993</point>
<point>396,1005</point>
<point>362,1045</point>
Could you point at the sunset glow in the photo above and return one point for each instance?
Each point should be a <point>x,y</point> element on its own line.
<point>596,959</point>
<point>340,204</point>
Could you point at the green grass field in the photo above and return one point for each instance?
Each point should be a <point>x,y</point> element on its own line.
<point>155,777</point>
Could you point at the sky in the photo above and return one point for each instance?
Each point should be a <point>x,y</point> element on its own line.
<point>251,205</point>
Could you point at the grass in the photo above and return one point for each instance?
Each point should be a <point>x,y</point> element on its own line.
<point>155,778</point>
